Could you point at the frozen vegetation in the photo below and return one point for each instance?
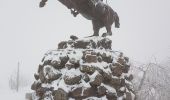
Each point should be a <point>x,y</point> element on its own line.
<point>152,81</point>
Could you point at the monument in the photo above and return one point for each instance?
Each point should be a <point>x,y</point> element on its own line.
<point>85,68</point>
<point>101,14</point>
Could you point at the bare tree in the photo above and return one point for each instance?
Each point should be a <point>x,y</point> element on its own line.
<point>155,83</point>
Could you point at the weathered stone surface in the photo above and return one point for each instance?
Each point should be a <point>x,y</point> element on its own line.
<point>42,90</point>
<point>72,80</point>
<point>81,44</point>
<point>117,83</point>
<point>62,45</point>
<point>41,76</point>
<point>97,81</point>
<point>101,91</point>
<point>73,37</point>
<point>89,92</point>
<point>129,86</point>
<point>111,96</point>
<point>123,61</point>
<point>59,64</point>
<point>106,58</point>
<point>93,53</point>
<point>90,58</point>
<point>86,77</point>
<point>53,77</point>
<point>60,94</point>
<point>51,74</point>
<point>86,44</point>
<point>75,62</point>
<point>40,68</point>
<point>81,92</point>
<point>121,91</point>
<point>84,68</point>
<point>128,96</point>
<point>87,69</point>
<point>105,43</point>
<point>99,59</point>
<point>117,71</point>
<point>129,77</point>
<point>76,93</point>
<point>69,66</point>
<point>36,76</point>
<point>56,64</point>
<point>126,68</point>
<point>35,85</point>
<point>107,76</point>
<point>99,70</point>
<point>47,62</point>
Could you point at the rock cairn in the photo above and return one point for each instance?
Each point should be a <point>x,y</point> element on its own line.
<point>83,69</point>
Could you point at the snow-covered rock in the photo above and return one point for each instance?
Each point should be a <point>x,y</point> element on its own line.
<point>84,68</point>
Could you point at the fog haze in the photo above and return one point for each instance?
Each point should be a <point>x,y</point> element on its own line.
<point>27,31</point>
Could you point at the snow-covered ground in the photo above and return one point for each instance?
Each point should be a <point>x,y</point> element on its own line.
<point>8,94</point>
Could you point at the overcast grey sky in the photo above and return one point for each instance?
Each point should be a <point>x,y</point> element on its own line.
<point>27,32</point>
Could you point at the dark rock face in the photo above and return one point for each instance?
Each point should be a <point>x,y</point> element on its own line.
<point>130,77</point>
<point>115,82</point>
<point>73,37</point>
<point>77,93</point>
<point>81,44</point>
<point>105,43</point>
<point>86,78</point>
<point>81,93</point>
<point>35,85</point>
<point>72,80</point>
<point>41,92</point>
<point>74,62</point>
<point>59,64</point>
<point>62,45</point>
<point>60,94</point>
<point>111,96</point>
<point>41,76</point>
<point>36,76</point>
<point>117,71</point>
<point>83,69</point>
<point>87,69</point>
<point>90,58</point>
<point>101,91</point>
<point>102,43</point>
<point>97,80</point>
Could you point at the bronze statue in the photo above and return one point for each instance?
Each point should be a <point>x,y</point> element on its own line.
<point>100,13</point>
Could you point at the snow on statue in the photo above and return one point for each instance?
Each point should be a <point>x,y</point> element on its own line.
<point>101,14</point>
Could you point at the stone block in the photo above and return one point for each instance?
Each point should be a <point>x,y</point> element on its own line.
<point>90,58</point>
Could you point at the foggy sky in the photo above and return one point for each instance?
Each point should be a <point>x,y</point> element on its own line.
<point>27,31</point>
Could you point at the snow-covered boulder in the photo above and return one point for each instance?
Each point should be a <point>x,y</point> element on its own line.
<point>83,69</point>
<point>86,43</point>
